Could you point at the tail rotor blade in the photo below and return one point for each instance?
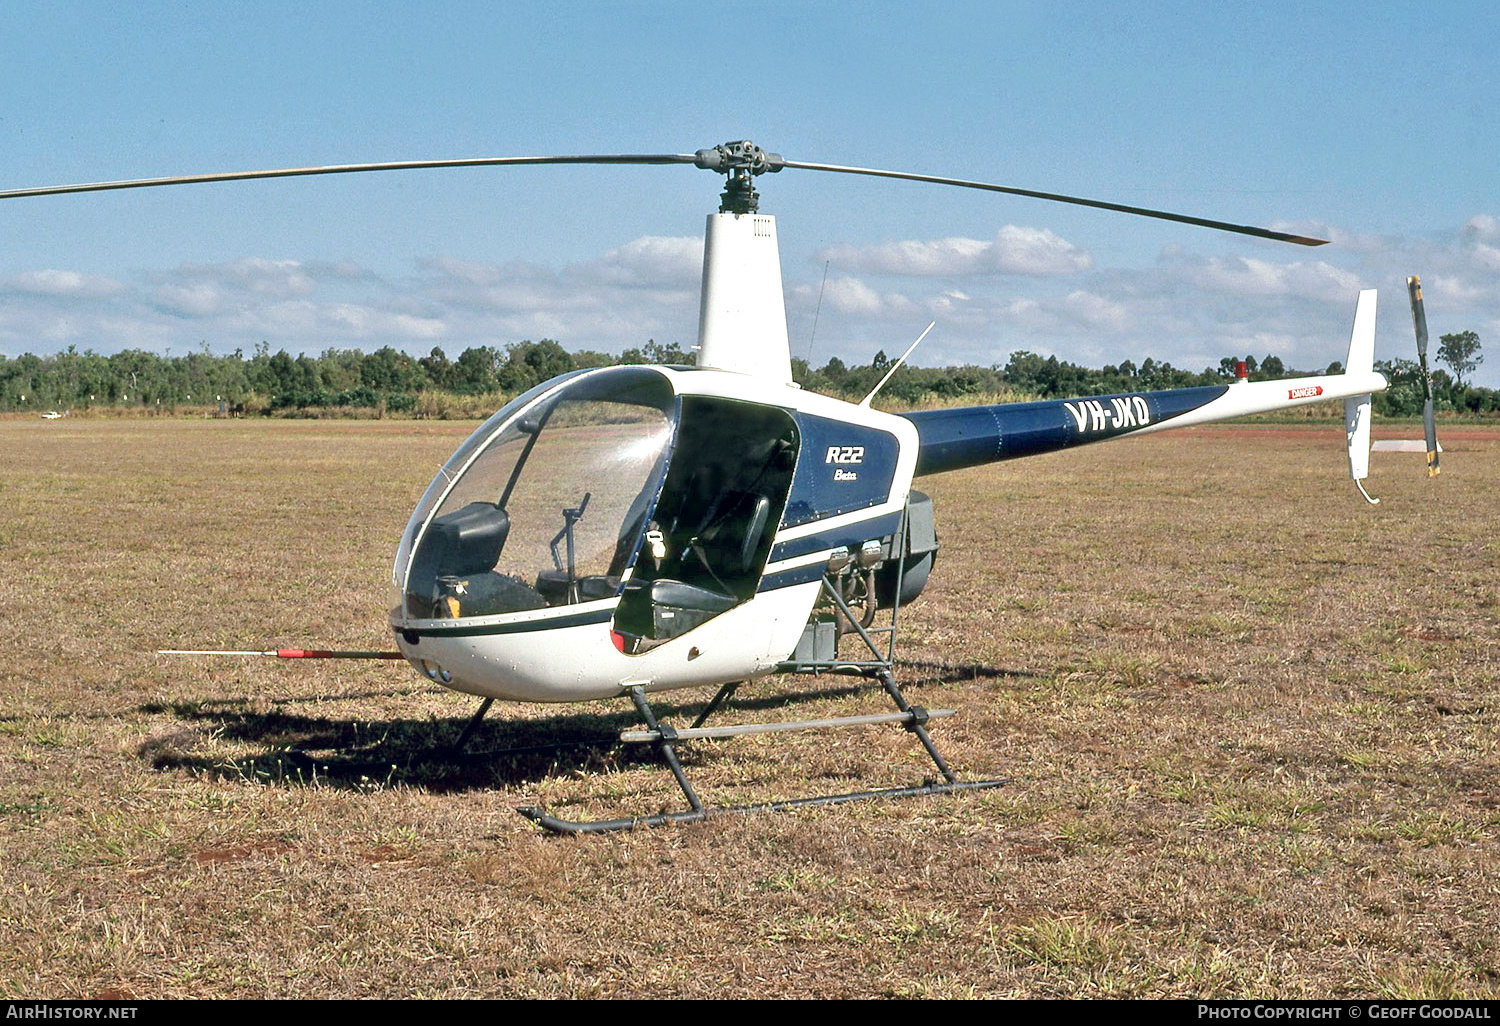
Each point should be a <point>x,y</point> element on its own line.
<point>1429,420</point>
<point>1418,316</point>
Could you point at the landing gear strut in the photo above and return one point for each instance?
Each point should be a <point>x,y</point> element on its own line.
<point>666,738</point>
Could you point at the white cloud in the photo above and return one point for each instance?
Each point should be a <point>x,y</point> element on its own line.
<point>653,261</point>
<point>1092,311</point>
<point>190,299</point>
<point>62,284</point>
<point>353,320</point>
<point>260,277</point>
<point>1249,276</point>
<point>651,280</point>
<point>1013,250</point>
<point>938,257</point>
<point>1036,251</point>
<point>1482,228</point>
<point>1486,256</point>
<point>1190,307</point>
<point>467,271</point>
<point>849,296</point>
<point>1460,290</point>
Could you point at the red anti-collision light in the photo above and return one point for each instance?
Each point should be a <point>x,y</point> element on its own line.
<point>618,639</point>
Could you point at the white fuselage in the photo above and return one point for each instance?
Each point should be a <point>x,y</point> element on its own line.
<point>567,653</point>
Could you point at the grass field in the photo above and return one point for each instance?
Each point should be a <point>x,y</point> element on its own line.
<point>1248,723</point>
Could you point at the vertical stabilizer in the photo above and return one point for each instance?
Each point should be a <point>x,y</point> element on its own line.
<point>1362,339</point>
<point>1357,408</point>
<point>742,317</point>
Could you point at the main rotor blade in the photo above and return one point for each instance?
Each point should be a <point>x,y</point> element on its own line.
<point>1162,215</point>
<point>737,158</point>
<point>344,169</point>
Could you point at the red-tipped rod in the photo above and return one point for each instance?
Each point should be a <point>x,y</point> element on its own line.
<point>282,653</point>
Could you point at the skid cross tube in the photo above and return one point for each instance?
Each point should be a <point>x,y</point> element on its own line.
<point>741,729</point>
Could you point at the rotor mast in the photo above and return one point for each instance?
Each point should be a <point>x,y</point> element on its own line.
<point>742,310</point>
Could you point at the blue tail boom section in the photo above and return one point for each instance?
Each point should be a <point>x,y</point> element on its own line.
<point>974,435</point>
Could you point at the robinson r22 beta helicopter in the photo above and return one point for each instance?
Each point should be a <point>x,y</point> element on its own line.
<point>627,530</point>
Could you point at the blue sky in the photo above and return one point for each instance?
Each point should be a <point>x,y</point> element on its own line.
<point>1376,126</point>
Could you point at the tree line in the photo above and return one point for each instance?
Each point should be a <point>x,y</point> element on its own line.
<point>390,380</point>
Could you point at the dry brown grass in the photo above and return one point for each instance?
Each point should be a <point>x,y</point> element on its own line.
<point>1249,725</point>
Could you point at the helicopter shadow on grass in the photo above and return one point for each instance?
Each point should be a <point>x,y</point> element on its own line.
<point>919,672</point>
<point>279,748</point>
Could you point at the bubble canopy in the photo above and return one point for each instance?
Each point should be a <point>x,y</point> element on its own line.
<point>544,505</point>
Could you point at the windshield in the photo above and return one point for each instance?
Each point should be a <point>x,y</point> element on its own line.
<point>543,506</point>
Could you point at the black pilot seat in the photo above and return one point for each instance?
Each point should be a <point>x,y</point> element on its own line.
<point>716,571</point>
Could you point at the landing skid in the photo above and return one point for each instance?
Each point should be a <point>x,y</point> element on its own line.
<point>665,737</point>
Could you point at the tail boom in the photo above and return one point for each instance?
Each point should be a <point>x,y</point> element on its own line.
<point>971,436</point>
<point>1268,396</point>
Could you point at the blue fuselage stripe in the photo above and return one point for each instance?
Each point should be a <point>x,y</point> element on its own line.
<point>550,623</point>
<point>791,578</point>
<point>850,535</point>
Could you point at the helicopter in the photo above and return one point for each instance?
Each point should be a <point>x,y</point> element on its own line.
<point>623,531</point>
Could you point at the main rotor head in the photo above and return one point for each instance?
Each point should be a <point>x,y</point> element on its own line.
<point>741,161</point>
